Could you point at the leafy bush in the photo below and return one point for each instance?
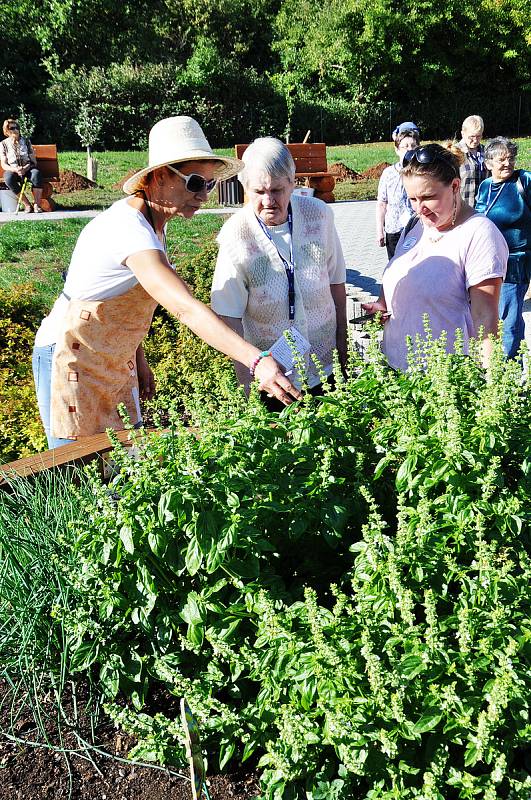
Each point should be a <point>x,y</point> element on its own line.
<point>341,591</point>
<point>188,372</point>
<point>213,89</point>
<point>21,432</point>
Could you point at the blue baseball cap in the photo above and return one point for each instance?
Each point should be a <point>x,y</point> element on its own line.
<point>403,127</point>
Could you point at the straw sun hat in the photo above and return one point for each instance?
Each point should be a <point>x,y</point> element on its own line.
<point>179,139</point>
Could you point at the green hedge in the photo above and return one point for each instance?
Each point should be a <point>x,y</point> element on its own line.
<point>189,373</point>
<point>21,432</point>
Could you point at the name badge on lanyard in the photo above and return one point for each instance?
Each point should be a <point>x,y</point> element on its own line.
<point>289,266</point>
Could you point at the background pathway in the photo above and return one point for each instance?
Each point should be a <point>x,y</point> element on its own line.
<point>355,223</point>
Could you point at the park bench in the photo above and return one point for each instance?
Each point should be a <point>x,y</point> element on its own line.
<point>310,167</point>
<point>48,164</point>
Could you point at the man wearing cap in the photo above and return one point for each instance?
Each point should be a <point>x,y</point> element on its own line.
<point>88,355</point>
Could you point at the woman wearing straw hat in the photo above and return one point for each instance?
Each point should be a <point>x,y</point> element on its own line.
<point>88,356</point>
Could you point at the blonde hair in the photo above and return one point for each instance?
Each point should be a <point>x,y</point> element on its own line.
<point>453,147</point>
<point>7,123</point>
<point>473,123</point>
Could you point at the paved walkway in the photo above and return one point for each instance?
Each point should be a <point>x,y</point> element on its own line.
<point>51,216</point>
<point>356,228</point>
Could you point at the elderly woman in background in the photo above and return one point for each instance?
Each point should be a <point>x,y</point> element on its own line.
<point>393,209</point>
<point>17,159</point>
<point>281,268</point>
<point>449,265</point>
<point>505,198</point>
<point>473,170</point>
<point>88,355</point>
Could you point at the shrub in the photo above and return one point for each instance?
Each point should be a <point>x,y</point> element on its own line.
<point>188,372</point>
<point>131,98</point>
<point>341,591</point>
<point>21,431</point>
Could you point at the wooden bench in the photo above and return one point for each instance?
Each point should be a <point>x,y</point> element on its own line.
<point>310,165</point>
<point>48,164</point>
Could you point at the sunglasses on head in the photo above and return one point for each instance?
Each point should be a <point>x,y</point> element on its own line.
<point>427,155</point>
<point>194,183</point>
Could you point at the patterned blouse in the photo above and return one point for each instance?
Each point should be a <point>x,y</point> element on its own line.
<point>391,191</point>
<point>18,153</point>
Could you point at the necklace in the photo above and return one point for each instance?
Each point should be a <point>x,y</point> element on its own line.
<point>433,234</point>
<point>497,192</point>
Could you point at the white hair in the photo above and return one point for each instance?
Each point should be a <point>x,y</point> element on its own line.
<point>473,123</point>
<point>269,156</point>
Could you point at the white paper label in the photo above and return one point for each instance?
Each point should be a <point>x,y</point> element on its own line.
<point>282,352</point>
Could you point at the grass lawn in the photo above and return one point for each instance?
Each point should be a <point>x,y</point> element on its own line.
<point>38,254</point>
<point>113,165</point>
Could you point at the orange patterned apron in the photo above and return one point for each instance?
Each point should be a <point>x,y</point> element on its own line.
<point>94,366</point>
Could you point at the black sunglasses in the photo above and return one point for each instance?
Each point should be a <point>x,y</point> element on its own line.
<point>194,183</point>
<point>13,128</point>
<point>427,155</point>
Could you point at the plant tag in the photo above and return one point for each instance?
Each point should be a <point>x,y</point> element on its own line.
<point>281,350</point>
<point>193,751</point>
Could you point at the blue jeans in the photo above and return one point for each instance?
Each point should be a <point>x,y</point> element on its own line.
<point>14,181</point>
<point>42,376</point>
<point>510,310</point>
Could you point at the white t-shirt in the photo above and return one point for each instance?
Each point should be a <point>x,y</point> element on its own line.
<point>433,278</point>
<point>96,270</point>
<point>250,280</point>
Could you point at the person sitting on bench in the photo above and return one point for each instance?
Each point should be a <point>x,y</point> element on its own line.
<point>17,159</point>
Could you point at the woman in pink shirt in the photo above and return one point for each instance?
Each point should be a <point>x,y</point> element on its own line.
<point>449,264</point>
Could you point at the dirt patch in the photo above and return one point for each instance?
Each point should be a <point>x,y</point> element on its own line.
<point>341,172</point>
<point>70,181</point>
<point>376,171</point>
<point>41,773</point>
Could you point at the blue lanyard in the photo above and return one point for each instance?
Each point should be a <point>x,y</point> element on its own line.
<point>496,196</point>
<point>289,266</point>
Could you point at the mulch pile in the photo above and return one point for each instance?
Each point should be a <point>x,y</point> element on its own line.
<point>72,182</point>
<point>376,171</point>
<point>341,172</point>
<point>40,773</point>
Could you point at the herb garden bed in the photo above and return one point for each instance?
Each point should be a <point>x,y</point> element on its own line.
<point>47,772</point>
<point>341,592</point>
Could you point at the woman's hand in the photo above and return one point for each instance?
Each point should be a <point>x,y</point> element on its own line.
<point>377,307</point>
<point>272,380</point>
<point>146,379</point>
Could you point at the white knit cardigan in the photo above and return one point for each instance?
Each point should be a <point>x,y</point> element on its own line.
<point>250,281</point>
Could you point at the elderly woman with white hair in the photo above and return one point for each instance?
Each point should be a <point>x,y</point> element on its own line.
<point>88,356</point>
<point>505,198</point>
<point>473,170</point>
<point>280,268</point>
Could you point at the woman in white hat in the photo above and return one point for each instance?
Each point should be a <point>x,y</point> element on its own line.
<point>88,355</point>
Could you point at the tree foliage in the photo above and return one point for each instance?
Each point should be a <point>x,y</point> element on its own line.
<point>344,66</point>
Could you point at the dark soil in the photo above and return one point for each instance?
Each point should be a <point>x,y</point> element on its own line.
<point>43,773</point>
<point>72,182</point>
<point>376,171</point>
<point>343,173</point>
